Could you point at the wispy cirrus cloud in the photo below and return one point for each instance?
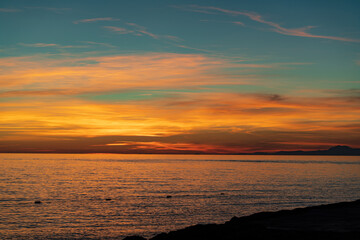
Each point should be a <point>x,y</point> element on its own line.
<point>192,48</point>
<point>99,44</point>
<point>216,21</point>
<point>9,10</point>
<point>138,30</point>
<point>121,30</point>
<point>239,23</point>
<point>44,45</point>
<point>132,28</point>
<point>89,20</point>
<point>51,9</point>
<point>142,30</point>
<point>39,44</point>
<point>300,32</point>
<point>56,10</point>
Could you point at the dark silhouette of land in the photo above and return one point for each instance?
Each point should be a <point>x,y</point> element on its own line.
<point>333,151</point>
<point>337,150</point>
<point>333,221</point>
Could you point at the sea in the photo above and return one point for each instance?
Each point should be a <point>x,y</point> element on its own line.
<point>110,196</point>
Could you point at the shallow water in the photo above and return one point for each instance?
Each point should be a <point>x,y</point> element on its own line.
<point>204,189</point>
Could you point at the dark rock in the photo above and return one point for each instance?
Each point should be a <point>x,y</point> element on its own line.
<point>37,202</point>
<point>108,199</point>
<point>339,221</point>
<point>168,196</point>
<point>134,238</point>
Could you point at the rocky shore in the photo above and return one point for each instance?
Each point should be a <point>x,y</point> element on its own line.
<point>332,221</point>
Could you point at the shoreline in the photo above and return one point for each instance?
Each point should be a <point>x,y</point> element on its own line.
<point>329,221</point>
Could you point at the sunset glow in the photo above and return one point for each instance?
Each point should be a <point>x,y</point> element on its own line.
<point>190,80</point>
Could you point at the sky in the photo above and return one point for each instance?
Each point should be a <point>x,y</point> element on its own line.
<point>178,76</point>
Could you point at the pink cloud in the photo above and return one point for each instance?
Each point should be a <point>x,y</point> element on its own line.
<point>119,30</point>
<point>96,20</point>
<point>239,23</point>
<point>163,146</point>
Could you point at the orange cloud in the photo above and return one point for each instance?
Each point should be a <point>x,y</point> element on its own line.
<point>45,74</point>
<point>87,74</point>
<point>178,114</point>
<point>40,102</point>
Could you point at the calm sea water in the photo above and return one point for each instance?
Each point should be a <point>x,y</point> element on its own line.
<point>204,189</point>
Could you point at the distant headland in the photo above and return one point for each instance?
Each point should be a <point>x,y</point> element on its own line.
<point>336,150</point>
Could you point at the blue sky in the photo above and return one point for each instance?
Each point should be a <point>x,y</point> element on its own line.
<point>195,30</point>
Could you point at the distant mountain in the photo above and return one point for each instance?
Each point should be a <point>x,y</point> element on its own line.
<point>336,150</point>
